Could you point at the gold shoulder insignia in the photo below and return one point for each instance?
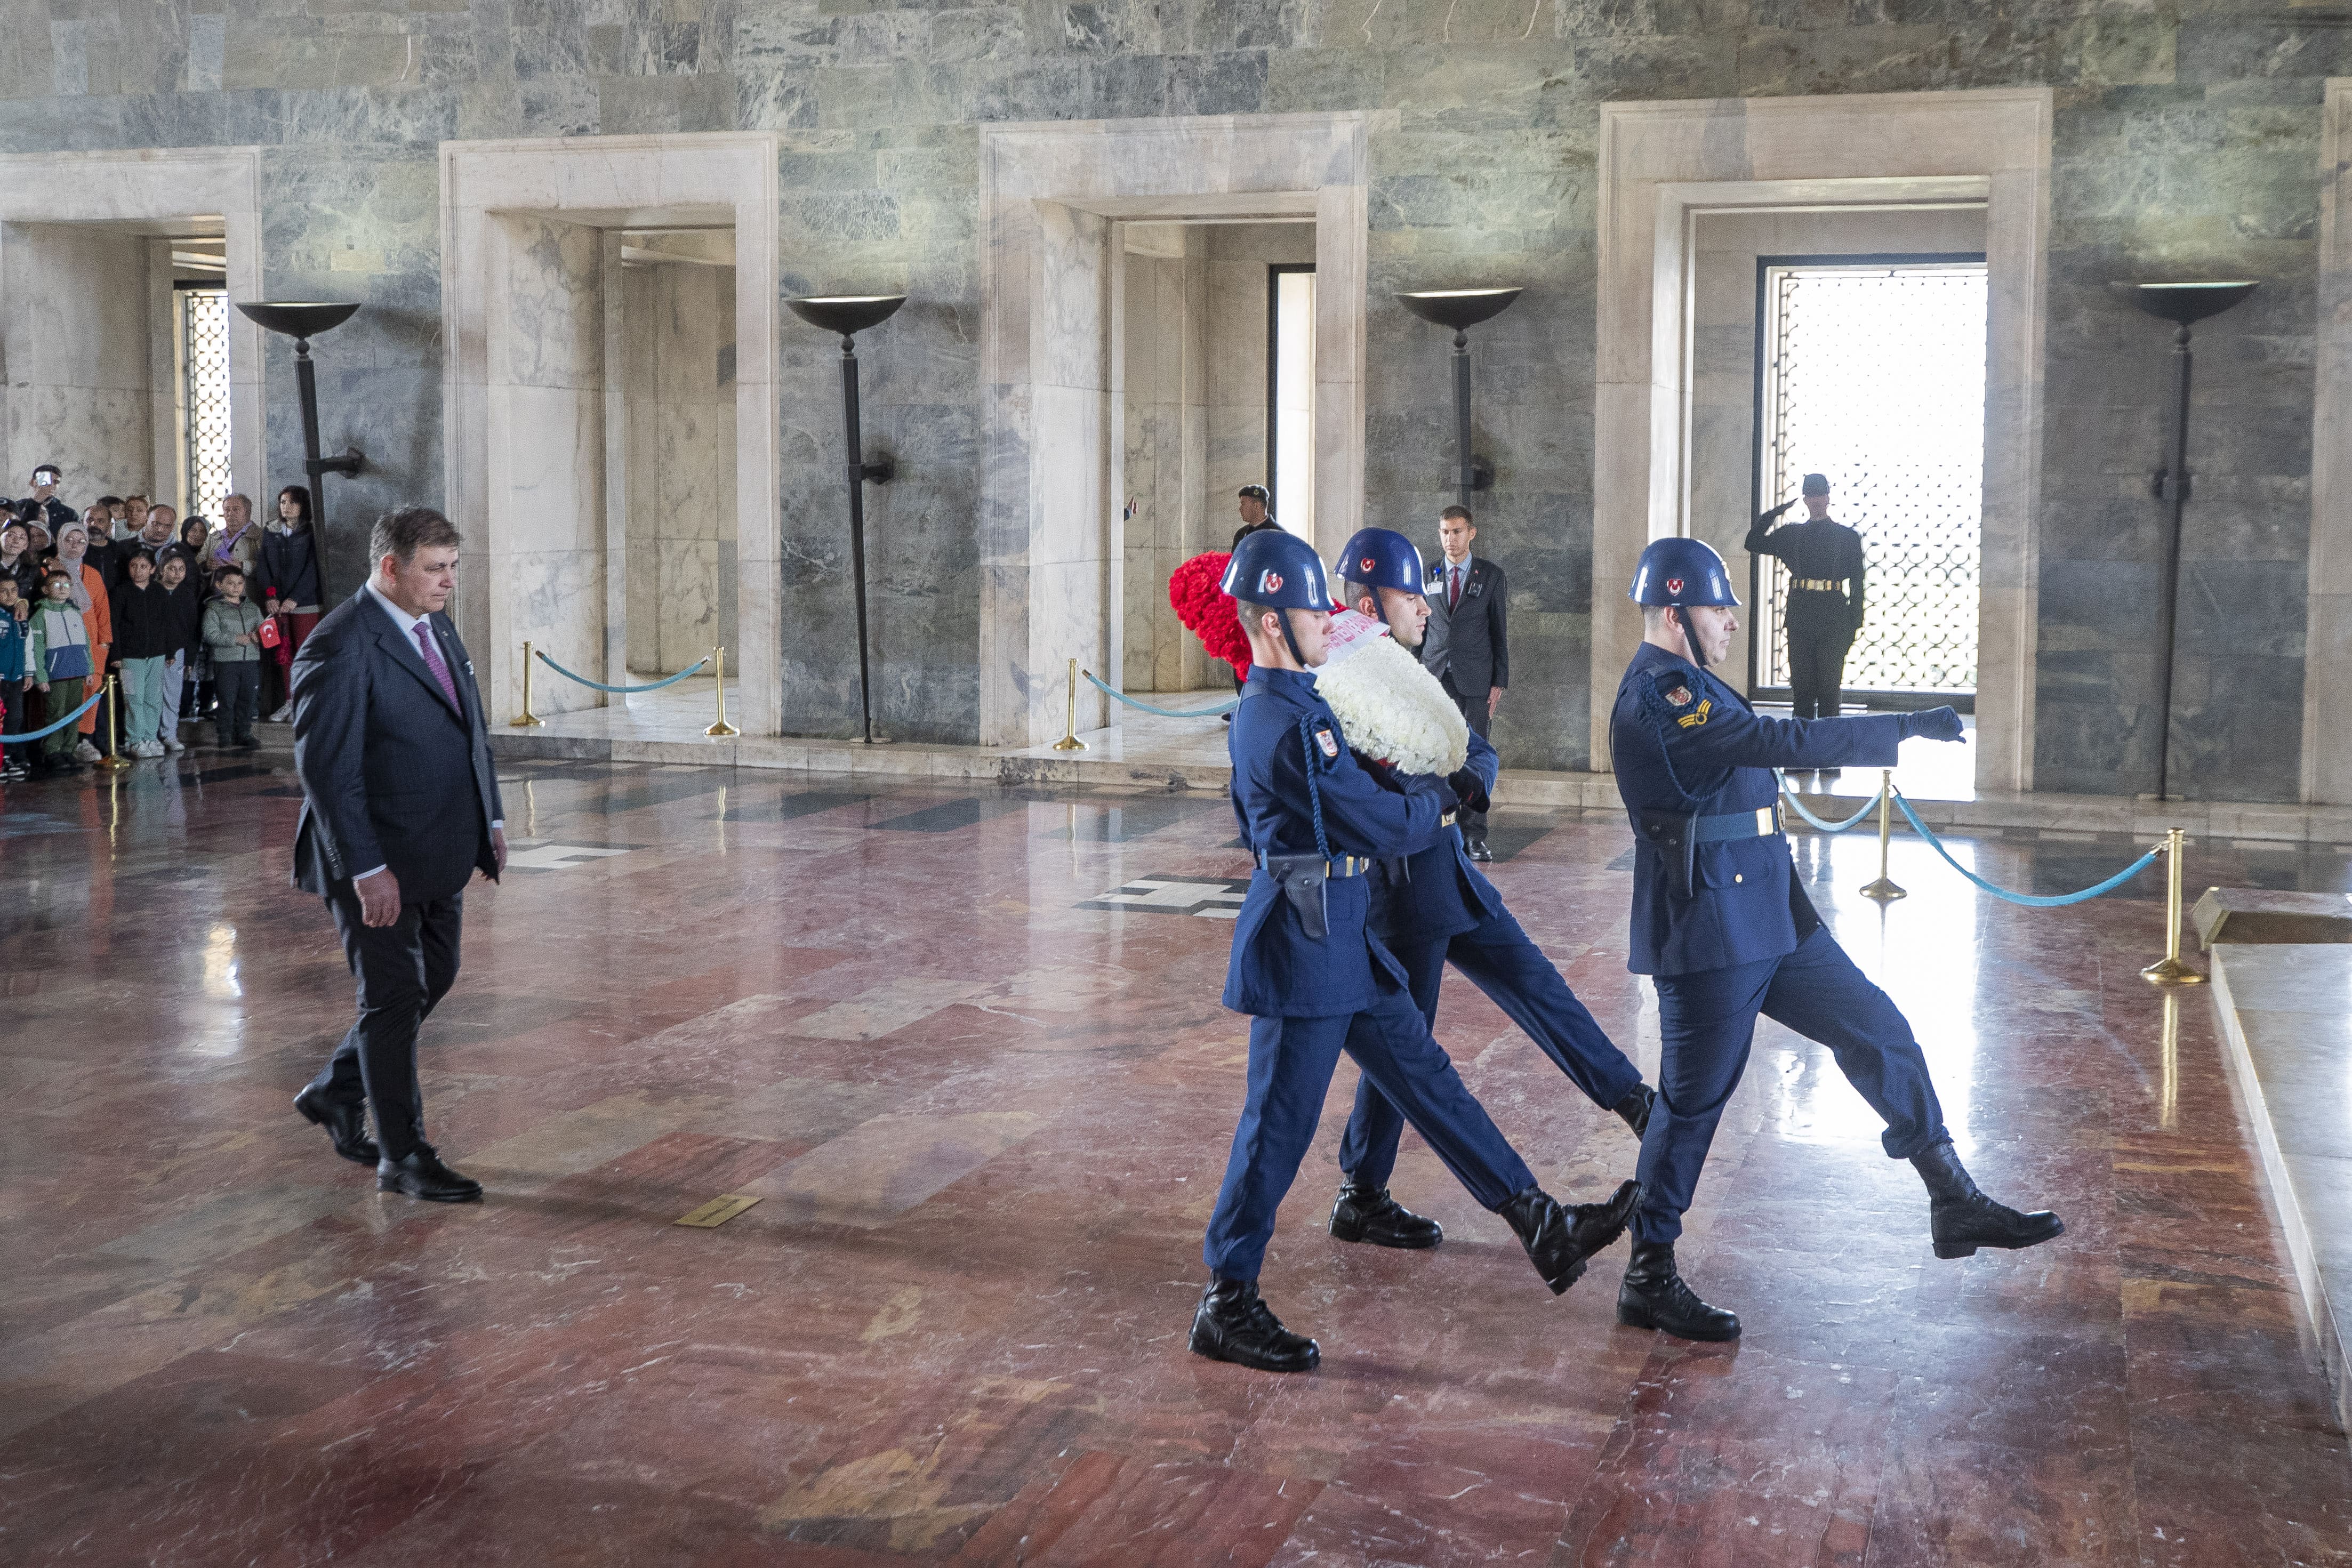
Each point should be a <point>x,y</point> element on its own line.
<point>1697,716</point>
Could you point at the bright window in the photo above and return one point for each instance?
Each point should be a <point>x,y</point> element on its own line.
<point>203,333</point>
<point>1290,397</point>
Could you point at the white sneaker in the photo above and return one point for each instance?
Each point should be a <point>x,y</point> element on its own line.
<point>150,749</point>
<point>285,714</point>
<point>85,752</point>
<point>172,743</point>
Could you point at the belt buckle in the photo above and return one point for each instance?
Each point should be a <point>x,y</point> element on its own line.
<point>1768,819</point>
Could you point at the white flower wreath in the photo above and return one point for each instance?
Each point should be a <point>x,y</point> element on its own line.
<point>1388,706</point>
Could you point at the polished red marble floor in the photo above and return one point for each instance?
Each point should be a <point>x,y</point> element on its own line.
<point>966,1047</point>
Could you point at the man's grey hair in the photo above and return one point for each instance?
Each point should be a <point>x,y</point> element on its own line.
<point>401,534</point>
<point>237,496</point>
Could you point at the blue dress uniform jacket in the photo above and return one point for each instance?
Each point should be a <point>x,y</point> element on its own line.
<point>1278,970</point>
<point>1685,742</point>
<point>1434,891</point>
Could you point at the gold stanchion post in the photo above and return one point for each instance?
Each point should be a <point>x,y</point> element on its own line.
<point>1070,741</point>
<point>1885,889</point>
<point>113,759</point>
<point>526,719</point>
<point>722,729</point>
<point>2169,970</point>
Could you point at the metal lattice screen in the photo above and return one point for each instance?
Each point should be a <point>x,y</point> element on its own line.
<point>204,395</point>
<point>1873,375</point>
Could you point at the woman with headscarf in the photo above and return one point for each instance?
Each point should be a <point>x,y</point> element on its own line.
<point>87,591</point>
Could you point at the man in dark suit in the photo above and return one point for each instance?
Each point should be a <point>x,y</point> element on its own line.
<point>1467,646</point>
<point>400,808</point>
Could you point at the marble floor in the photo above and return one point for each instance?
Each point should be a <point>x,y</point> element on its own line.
<point>963,1043</point>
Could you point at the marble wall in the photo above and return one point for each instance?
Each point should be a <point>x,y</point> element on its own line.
<point>78,355</point>
<point>1165,488</point>
<point>679,403</point>
<point>2186,139</point>
<point>1237,257</point>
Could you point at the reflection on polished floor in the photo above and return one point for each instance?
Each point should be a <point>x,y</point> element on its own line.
<point>963,1043</point>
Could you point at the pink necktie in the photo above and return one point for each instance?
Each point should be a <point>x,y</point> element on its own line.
<point>433,662</point>
<point>1453,587</point>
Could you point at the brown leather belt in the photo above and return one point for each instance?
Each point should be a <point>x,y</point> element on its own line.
<point>1819,584</point>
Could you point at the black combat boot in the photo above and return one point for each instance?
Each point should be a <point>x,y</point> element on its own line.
<point>1962,1219</point>
<point>1234,1325</point>
<point>1559,1237</point>
<point>1652,1296</point>
<point>1635,1109</point>
<point>1369,1214</point>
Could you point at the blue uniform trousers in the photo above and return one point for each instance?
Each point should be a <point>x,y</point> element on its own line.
<point>1499,959</point>
<point>1707,1020</point>
<point>1290,1065</point>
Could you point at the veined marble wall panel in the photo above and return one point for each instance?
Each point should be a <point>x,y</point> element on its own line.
<point>1238,256</point>
<point>679,396</point>
<point>1166,379</point>
<point>2327,614</point>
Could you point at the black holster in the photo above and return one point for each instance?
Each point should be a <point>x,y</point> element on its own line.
<point>1304,881</point>
<point>1676,837</point>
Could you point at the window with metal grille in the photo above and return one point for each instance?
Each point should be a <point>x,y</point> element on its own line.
<point>1870,371</point>
<point>201,328</point>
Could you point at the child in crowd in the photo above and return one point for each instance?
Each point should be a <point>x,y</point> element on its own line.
<point>12,679</point>
<point>145,625</point>
<point>232,639</point>
<point>58,661</point>
<point>187,642</point>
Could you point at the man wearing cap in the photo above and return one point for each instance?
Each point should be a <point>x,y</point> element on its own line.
<point>1823,558</point>
<point>1317,981</point>
<point>1726,932</point>
<point>1257,517</point>
<point>1432,904</point>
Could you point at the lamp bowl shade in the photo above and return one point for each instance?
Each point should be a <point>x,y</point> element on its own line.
<point>847,313</point>
<point>1459,307</point>
<point>2190,301</point>
<point>300,319</point>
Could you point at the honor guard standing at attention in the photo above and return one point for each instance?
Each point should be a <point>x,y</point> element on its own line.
<point>1317,981</point>
<point>1725,930</point>
<point>1430,905</point>
<point>1822,558</point>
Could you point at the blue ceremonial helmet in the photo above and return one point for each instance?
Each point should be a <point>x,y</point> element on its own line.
<point>1275,568</point>
<point>1383,558</point>
<point>1682,571</point>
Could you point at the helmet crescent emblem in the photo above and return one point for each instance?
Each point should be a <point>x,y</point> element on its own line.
<point>1673,585</point>
<point>1271,582</point>
<point>1369,563</point>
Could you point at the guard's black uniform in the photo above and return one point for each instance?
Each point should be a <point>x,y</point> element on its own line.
<point>1825,613</point>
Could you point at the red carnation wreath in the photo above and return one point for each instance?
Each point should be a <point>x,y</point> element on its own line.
<point>1208,612</point>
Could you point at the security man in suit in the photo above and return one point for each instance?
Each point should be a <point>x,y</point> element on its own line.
<point>1727,932</point>
<point>1468,648</point>
<point>400,808</point>
<point>1825,570</point>
<point>1431,905</point>
<point>1317,981</point>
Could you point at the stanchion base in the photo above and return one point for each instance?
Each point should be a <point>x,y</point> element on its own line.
<point>1884,891</point>
<point>2172,972</point>
<point>723,732</point>
<point>1069,743</point>
<point>114,762</point>
<point>528,721</point>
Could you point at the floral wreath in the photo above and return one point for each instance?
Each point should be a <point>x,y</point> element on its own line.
<point>1207,610</point>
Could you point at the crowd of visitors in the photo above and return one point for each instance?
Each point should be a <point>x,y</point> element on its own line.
<point>195,619</point>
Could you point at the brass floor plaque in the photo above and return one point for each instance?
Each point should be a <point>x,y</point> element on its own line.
<point>717,1211</point>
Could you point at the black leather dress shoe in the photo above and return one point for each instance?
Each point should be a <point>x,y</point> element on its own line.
<point>1233,1324</point>
<point>1368,1214</point>
<point>421,1174</point>
<point>1558,1237</point>
<point>1478,850</point>
<point>1652,1296</point>
<point>346,1124</point>
<point>1635,1109</point>
<point>1961,1219</point>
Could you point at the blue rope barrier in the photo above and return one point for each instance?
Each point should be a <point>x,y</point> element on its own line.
<point>2030,900</point>
<point>1867,806</point>
<point>649,687</point>
<point>72,717</point>
<point>1164,713</point>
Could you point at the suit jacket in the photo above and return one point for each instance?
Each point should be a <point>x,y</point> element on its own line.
<point>392,775</point>
<point>1470,639</point>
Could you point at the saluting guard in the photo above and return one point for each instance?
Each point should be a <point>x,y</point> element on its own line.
<point>1825,596</point>
<point>1317,981</point>
<point>1725,930</point>
<point>1432,904</point>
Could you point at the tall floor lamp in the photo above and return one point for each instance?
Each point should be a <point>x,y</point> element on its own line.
<point>2180,304</point>
<point>304,320</point>
<point>1461,308</point>
<point>850,314</point>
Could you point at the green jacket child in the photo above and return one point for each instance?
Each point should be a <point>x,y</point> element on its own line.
<point>225,623</point>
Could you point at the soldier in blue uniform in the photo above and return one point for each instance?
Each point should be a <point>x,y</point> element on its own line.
<point>1315,980</point>
<point>1432,904</point>
<point>1721,924</point>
